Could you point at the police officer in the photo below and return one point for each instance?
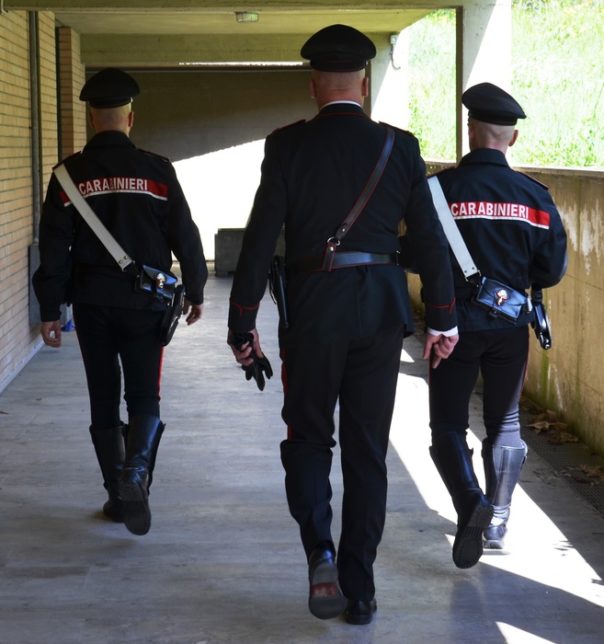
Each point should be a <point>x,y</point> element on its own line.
<point>347,323</point>
<point>486,198</point>
<point>136,195</point>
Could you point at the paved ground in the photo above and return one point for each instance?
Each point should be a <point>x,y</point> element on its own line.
<point>222,562</point>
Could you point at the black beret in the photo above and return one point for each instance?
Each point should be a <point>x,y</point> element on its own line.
<point>109,88</point>
<point>488,103</point>
<point>338,48</point>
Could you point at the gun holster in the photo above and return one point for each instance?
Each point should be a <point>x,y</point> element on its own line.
<point>277,282</point>
<point>541,324</point>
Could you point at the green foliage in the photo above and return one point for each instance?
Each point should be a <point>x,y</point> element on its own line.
<point>557,76</point>
<point>432,84</point>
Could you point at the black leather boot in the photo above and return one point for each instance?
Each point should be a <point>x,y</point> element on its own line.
<point>109,448</point>
<point>144,434</point>
<point>453,459</point>
<point>502,466</point>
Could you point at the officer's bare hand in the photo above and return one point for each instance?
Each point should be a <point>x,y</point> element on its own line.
<point>192,312</point>
<point>439,347</point>
<point>243,351</point>
<point>51,333</point>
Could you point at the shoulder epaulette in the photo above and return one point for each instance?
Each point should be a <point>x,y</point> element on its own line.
<point>155,155</point>
<point>438,173</point>
<point>285,127</point>
<point>71,156</point>
<point>398,129</point>
<point>528,176</point>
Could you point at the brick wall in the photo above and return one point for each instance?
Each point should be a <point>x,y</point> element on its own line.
<point>18,339</point>
<point>48,94</point>
<point>72,76</point>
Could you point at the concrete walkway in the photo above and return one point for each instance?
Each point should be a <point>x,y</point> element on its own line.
<point>223,562</point>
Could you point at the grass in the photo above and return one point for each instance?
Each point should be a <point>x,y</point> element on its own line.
<point>557,77</point>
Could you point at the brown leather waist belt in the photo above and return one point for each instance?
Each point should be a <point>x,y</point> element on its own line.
<point>345,259</point>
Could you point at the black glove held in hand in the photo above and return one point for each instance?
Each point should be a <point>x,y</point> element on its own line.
<point>259,367</point>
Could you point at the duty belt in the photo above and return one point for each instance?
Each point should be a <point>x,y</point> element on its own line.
<point>344,259</point>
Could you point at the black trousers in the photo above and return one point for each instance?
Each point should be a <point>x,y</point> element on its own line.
<point>501,356</point>
<point>109,336</point>
<point>361,374</point>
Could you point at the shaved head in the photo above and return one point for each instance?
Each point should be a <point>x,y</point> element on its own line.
<point>338,86</point>
<point>337,81</point>
<point>112,118</point>
<point>489,135</point>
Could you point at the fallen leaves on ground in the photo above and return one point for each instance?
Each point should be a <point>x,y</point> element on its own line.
<point>560,437</point>
<point>588,474</point>
<point>556,431</point>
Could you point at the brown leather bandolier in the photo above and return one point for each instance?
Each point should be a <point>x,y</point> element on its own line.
<point>332,259</point>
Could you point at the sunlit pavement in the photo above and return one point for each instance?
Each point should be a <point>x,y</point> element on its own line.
<point>552,564</point>
<point>222,562</point>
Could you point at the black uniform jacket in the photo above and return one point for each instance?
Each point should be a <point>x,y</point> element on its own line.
<point>511,227</point>
<point>137,196</point>
<point>312,174</point>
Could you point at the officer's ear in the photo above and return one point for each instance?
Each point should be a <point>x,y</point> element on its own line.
<point>513,139</point>
<point>365,87</point>
<point>131,119</point>
<point>312,88</point>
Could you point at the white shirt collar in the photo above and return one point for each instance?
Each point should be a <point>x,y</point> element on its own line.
<point>335,102</point>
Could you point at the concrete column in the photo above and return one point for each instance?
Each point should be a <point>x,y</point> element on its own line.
<point>484,52</point>
<point>389,89</point>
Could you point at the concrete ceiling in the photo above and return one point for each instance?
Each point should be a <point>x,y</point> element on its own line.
<point>270,22</point>
<point>172,33</point>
